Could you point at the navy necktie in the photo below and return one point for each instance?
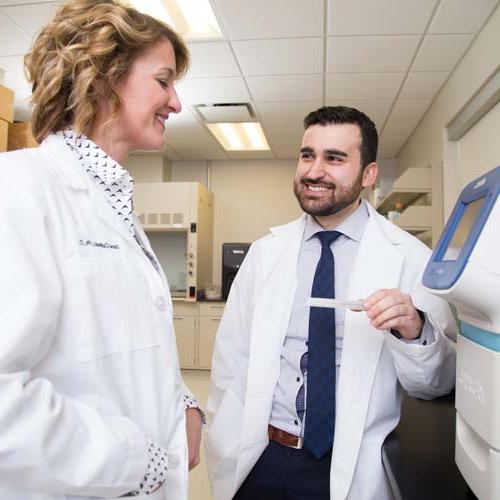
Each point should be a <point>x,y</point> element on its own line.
<point>320,394</point>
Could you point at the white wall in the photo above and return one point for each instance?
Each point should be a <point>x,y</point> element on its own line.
<point>427,143</point>
<point>148,167</point>
<point>479,149</point>
<point>250,196</point>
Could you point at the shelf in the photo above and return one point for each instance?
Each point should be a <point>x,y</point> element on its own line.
<point>412,185</point>
<point>415,218</point>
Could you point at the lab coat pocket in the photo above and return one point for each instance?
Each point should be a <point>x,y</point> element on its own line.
<point>224,434</point>
<point>111,306</point>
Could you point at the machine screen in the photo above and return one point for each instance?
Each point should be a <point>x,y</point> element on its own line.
<point>463,228</point>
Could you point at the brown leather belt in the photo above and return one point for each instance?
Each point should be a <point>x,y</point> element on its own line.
<point>284,438</point>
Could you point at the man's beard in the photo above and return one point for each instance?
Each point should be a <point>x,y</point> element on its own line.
<point>338,199</point>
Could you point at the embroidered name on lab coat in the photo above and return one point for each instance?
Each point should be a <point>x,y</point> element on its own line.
<point>98,244</point>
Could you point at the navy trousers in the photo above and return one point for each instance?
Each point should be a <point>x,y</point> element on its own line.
<point>284,473</point>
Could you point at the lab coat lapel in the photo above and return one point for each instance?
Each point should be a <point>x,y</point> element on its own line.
<point>60,158</point>
<point>108,215</point>
<point>378,265</point>
<point>271,317</point>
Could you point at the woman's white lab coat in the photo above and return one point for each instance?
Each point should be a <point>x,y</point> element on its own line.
<point>88,360</point>
<point>247,359</point>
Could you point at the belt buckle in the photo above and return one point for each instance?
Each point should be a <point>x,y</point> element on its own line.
<point>299,445</point>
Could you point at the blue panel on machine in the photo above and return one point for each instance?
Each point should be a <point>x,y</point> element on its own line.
<point>462,231</point>
<point>480,336</point>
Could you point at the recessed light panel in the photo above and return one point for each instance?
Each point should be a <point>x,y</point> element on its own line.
<point>246,136</point>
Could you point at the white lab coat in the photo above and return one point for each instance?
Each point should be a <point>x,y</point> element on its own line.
<point>246,359</point>
<point>88,361</point>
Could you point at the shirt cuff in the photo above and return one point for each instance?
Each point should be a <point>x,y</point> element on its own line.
<point>156,473</point>
<point>191,402</point>
<point>426,336</point>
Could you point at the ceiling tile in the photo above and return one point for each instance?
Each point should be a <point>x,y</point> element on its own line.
<point>279,57</point>
<point>362,85</point>
<point>403,119</point>
<point>286,87</point>
<point>195,137</point>
<point>287,147</point>
<point>441,52</point>
<point>185,117</point>
<point>285,114</point>
<point>213,90</point>
<point>30,19</point>
<point>209,59</point>
<point>276,19</point>
<point>461,16</point>
<point>282,122</point>
<point>423,85</point>
<point>383,17</point>
<point>231,113</point>
<point>364,54</point>
<point>13,40</point>
<point>376,109</point>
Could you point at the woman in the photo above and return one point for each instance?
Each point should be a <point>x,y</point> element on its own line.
<point>91,398</point>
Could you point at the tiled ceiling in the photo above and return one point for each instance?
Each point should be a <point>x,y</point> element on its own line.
<point>389,58</point>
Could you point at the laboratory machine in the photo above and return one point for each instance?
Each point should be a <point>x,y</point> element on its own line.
<point>464,269</point>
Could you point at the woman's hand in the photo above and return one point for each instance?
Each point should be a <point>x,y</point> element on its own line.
<point>193,430</point>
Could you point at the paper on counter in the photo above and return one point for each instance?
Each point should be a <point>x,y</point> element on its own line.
<point>353,305</point>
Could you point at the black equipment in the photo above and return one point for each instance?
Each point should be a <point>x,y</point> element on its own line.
<point>232,257</point>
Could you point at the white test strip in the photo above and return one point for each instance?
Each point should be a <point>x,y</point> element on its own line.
<point>353,305</point>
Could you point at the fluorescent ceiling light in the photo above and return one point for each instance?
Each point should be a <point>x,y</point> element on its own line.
<point>246,136</point>
<point>193,19</point>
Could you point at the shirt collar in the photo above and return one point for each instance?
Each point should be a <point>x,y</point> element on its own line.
<point>352,227</point>
<point>96,161</point>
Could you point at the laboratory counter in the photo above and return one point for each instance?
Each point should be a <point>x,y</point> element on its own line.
<point>419,455</point>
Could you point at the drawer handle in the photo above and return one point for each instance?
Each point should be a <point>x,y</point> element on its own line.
<point>215,319</point>
<point>177,317</point>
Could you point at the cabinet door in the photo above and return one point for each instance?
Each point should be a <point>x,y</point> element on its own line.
<point>185,333</point>
<point>208,330</point>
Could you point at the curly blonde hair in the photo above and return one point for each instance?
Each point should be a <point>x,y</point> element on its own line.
<point>82,54</point>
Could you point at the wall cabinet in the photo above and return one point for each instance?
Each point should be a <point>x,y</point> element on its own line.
<point>418,194</point>
<point>196,327</point>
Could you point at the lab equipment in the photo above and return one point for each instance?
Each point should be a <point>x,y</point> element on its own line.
<point>178,219</point>
<point>465,269</point>
<point>353,305</point>
<point>232,258</point>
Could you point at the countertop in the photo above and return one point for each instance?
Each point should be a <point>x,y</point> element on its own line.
<point>419,456</point>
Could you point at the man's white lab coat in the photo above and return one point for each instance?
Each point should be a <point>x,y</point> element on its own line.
<point>88,360</point>
<point>374,364</point>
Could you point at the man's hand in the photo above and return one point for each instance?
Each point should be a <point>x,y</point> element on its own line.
<point>392,309</point>
<point>193,430</point>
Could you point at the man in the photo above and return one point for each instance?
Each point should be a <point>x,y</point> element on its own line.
<point>291,376</point>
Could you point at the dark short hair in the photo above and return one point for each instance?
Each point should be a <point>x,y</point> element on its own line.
<point>330,115</point>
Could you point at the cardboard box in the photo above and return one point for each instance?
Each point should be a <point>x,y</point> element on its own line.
<point>4,135</point>
<point>6,104</point>
<point>20,136</point>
